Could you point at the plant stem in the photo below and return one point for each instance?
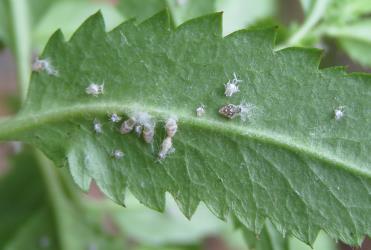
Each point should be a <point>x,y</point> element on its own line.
<point>55,195</point>
<point>316,13</point>
<point>19,30</point>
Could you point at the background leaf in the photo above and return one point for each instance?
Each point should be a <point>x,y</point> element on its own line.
<point>68,15</point>
<point>37,215</point>
<point>22,207</point>
<point>346,21</point>
<point>355,39</point>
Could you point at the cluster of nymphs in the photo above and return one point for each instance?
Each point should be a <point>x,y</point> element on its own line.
<point>98,128</point>
<point>143,125</point>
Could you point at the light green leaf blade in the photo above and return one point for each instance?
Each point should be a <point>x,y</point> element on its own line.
<point>355,39</point>
<point>268,239</point>
<point>68,15</point>
<point>239,14</point>
<point>323,242</point>
<point>347,21</point>
<point>140,9</point>
<point>291,161</point>
<point>169,228</point>
<point>345,11</point>
<point>306,5</point>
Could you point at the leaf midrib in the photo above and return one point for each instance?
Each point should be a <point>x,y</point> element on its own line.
<point>12,127</point>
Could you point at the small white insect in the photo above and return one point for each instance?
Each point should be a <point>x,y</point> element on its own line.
<point>138,129</point>
<point>339,113</point>
<point>171,127</point>
<point>115,118</point>
<point>148,133</point>
<point>97,126</point>
<point>200,111</point>
<point>44,65</point>
<point>127,126</point>
<point>166,147</point>
<point>231,87</point>
<point>95,89</point>
<point>117,154</point>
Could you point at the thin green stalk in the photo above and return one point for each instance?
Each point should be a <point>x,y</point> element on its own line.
<point>316,13</point>
<point>17,17</point>
<point>55,195</point>
<point>19,29</point>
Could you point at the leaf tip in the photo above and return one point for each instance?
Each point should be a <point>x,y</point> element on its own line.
<point>57,39</point>
<point>211,23</point>
<point>187,205</point>
<point>303,56</point>
<point>162,19</point>
<point>94,25</point>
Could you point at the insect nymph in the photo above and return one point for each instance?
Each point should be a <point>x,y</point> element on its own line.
<point>243,110</point>
<point>230,110</point>
<point>117,154</point>
<point>95,89</point>
<point>171,127</point>
<point>114,117</point>
<point>200,111</point>
<point>166,147</point>
<point>231,87</point>
<point>97,126</point>
<point>44,65</point>
<point>127,126</point>
<point>339,113</point>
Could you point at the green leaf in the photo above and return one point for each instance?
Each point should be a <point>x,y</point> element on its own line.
<point>347,21</point>
<point>237,13</point>
<point>22,210</point>
<point>140,9</point>
<point>355,39</point>
<point>322,242</point>
<point>38,215</point>
<point>139,223</point>
<point>68,15</point>
<point>291,161</point>
<point>268,239</point>
<point>346,11</point>
<point>307,5</point>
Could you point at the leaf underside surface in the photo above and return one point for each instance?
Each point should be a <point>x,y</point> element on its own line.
<point>291,162</point>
